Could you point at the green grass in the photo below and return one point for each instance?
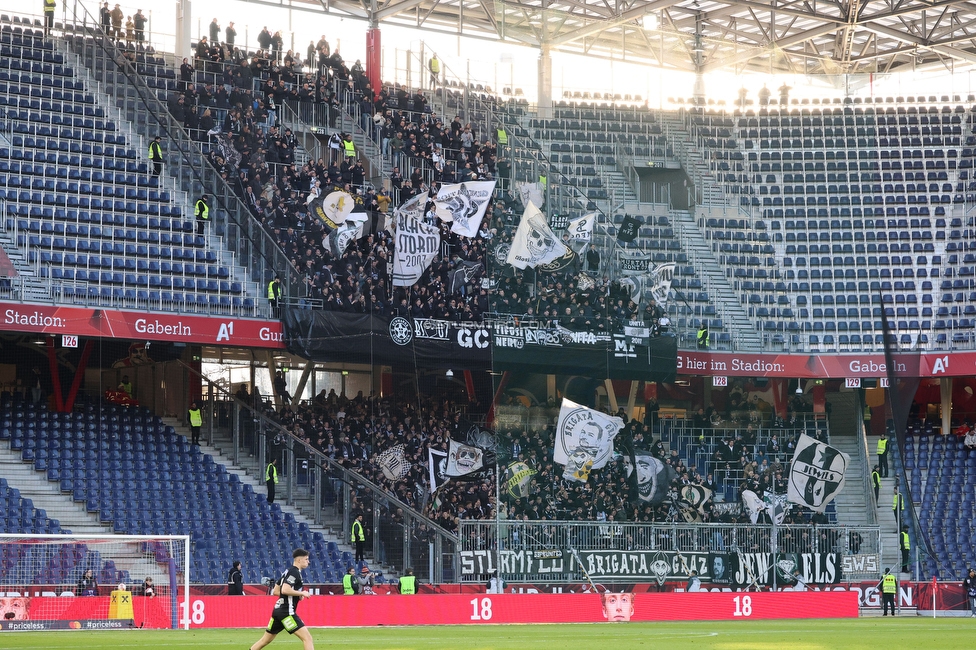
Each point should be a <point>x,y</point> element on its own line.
<point>873,633</point>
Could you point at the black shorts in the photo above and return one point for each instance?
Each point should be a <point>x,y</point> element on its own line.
<point>290,624</point>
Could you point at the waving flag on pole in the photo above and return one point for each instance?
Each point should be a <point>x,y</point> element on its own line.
<point>534,243</point>
<point>464,205</point>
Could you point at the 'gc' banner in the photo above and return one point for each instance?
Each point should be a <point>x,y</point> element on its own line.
<point>816,473</point>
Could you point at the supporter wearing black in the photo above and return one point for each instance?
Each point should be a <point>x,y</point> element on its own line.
<point>235,580</point>
<point>284,616</point>
<point>139,22</point>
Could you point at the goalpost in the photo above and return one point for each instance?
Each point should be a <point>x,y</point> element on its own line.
<point>44,583</point>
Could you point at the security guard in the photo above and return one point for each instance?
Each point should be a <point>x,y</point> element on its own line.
<point>125,385</point>
<point>876,482</point>
<point>502,138</point>
<point>543,180</point>
<point>888,588</point>
<point>49,7</point>
<point>408,583</point>
<point>359,538</point>
<point>883,454</point>
<point>202,213</point>
<point>905,544</point>
<point>271,478</point>
<point>897,507</point>
<point>274,295</point>
<point>195,418</point>
<point>349,147</point>
<point>435,70</point>
<point>156,156</point>
<point>349,582</point>
<point>703,336</point>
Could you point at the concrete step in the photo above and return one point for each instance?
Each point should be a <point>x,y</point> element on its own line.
<point>47,495</point>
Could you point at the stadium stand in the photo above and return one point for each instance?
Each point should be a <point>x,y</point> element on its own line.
<point>143,478</point>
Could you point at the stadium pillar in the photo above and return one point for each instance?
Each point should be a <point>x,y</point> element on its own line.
<point>551,388</point>
<point>945,390</point>
<point>632,399</point>
<point>272,368</point>
<point>300,389</point>
<point>611,396</point>
<point>79,375</point>
<point>52,360</point>
<point>184,30</point>
<point>374,59</point>
<point>545,81</point>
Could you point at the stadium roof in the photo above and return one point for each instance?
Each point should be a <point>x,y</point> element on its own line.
<point>771,36</point>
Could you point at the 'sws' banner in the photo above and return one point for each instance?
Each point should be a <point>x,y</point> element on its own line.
<point>474,609</point>
<point>362,338</point>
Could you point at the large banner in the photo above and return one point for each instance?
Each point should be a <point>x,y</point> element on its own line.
<point>417,244</point>
<point>817,473</point>
<point>361,338</point>
<point>598,355</point>
<point>138,325</point>
<point>745,569</point>
<point>534,244</point>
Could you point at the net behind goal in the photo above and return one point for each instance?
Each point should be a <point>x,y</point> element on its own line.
<point>85,582</point>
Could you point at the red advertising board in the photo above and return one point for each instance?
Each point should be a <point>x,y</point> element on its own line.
<point>817,365</point>
<point>325,611</point>
<point>109,323</point>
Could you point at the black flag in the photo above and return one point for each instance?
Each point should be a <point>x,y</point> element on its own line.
<point>629,229</point>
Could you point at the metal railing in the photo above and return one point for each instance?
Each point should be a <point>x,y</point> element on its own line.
<point>254,247</point>
<point>322,488</point>
<point>506,540</point>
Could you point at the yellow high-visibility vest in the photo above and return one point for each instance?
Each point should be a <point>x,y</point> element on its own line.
<point>888,584</point>
<point>271,474</point>
<point>196,418</point>
<point>502,137</point>
<point>350,148</point>
<point>408,585</point>
<point>347,588</point>
<point>906,542</point>
<point>358,534</point>
<point>203,210</point>
<point>882,446</point>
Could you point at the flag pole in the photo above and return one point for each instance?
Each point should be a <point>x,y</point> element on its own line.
<point>773,536</point>
<point>498,530</point>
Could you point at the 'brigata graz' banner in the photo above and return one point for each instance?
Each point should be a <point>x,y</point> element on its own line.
<point>361,338</point>
<point>594,354</point>
<point>426,342</point>
<point>733,569</point>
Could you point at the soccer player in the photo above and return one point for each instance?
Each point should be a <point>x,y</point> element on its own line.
<point>288,588</point>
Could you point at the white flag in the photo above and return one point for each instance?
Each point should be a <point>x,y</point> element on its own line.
<point>584,435</point>
<point>582,228</point>
<point>393,463</point>
<point>463,459</point>
<point>530,193</point>
<point>817,473</point>
<point>417,243</point>
<point>464,204</point>
<point>534,243</point>
<point>660,282</point>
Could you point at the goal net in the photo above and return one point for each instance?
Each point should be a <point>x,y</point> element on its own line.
<point>83,582</point>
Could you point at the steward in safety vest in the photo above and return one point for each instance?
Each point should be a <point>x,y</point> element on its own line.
<point>502,138</point>
<point>274,295</point>
<point>125,385</point>
<point>49,7</point>
<point>349,146</point>
<point>349,582</point>
<point>702,337</point>
<point>156,156</point>
<point>202,212</point>
<point>876,482</point>
<point>195,418</point>
<point>408,583</point>
<point>271,479</point>
<point>905,545</point>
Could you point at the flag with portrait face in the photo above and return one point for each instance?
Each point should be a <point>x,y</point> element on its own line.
<point>584,437</point>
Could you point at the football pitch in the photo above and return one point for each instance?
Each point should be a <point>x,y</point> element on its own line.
<point>874,633</point>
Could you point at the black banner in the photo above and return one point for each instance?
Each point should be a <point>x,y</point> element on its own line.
<point>598,565</point>
<point>429,343</point>
<point>757,568</point>
<point>597,355</point>
<point>361,338</point>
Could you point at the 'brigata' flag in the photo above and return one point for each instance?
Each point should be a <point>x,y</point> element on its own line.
<point>464,205</point>
<point>584,439</point>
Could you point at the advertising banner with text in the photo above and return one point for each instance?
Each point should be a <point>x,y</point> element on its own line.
<point>181,328</point>
<point>253,611</point>
<point>820,365</point>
